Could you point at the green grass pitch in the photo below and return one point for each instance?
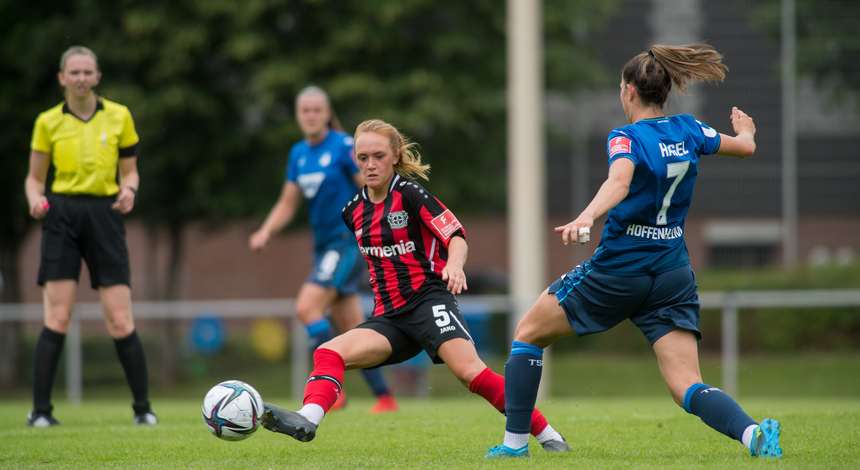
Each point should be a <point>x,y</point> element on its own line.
<point>445,433</point>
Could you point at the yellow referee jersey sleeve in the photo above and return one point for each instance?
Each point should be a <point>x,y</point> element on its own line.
<point>41,141</point>
<point>128,137</point>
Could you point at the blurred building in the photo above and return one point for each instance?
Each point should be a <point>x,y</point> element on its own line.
<point>735,217</point>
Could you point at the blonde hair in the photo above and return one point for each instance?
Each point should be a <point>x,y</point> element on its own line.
<point>333,121</point>
<point>654,71</point>
<point>409,159</point>
<point>77,50</point>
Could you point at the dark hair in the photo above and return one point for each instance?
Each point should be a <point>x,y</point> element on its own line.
<point>653,72</point>
<point>333,122</point>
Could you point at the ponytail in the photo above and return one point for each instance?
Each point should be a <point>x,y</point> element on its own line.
<point>653,72</point>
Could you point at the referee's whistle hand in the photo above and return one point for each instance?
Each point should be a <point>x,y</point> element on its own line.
<point>258,240</point>
<point>40,208</point>
<point>124,201</point>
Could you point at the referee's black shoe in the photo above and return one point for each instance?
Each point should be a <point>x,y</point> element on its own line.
<point>288,422</point>
<point>146,418</point>
<point>41,420</point>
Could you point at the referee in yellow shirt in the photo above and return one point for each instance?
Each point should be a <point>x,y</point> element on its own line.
<point>88,140</point>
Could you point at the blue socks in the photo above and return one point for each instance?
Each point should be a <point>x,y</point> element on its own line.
<point>375,381</point>
<point>522,378</point>
<point>717,410</point>
<point>319,331</point>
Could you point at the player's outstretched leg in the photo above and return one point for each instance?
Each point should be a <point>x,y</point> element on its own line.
<point>722,413</point>
<point>321,391</point>
<point>542,324</point>
<point>288,422</point>
<point>491,386</point>
<point>522,378</point>
<point>319,332</point>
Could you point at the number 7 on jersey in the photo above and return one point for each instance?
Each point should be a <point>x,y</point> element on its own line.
<point>675,170</point>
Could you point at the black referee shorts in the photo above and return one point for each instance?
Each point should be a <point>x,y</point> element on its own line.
<point>433,321</point>
<point>85,227</point>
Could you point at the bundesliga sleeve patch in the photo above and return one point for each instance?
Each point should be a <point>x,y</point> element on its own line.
<point>446,224</point>
<point>619,145</point>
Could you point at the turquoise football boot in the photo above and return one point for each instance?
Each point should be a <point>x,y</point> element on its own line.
<point>502,451</point>
<point>765,440</point>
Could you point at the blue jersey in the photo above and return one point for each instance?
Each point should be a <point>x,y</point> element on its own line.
<point>644,234</point>
<point>324,172</point>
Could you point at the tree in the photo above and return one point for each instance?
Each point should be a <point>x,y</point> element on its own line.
<point>30,53</point>
<point>211,86</point>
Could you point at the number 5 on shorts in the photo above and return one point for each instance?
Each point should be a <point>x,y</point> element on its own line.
<point>443,318</point>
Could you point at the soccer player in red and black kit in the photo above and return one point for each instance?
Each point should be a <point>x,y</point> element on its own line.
<point>415,250</point>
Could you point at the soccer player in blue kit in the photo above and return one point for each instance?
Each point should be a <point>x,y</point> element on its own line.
<point>321,169</point>
<point>641,269</point>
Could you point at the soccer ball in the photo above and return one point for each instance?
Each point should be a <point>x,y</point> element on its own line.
<point>232,410</point>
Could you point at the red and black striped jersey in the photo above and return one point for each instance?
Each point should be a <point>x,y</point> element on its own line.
<point>405,242</point>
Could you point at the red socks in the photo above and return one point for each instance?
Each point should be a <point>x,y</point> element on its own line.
<point>326,380</point>
<point>491,386</point>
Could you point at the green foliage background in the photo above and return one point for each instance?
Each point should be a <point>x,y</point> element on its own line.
<point>211,86</point>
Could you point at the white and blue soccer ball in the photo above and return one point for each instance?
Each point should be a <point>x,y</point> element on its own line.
<point>232,410</point>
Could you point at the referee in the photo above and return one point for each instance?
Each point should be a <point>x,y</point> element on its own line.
<point>88,140</point>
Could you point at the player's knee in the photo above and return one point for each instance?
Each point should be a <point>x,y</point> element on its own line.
<point>344,349</point>
<point>57,317</point>
<point>120,325</point>
<point>678,388</point>
<point>308,313</point>
<point>466,372</point>
<point>331,345</point>
<point>57,323</point>
<point>528,332</point>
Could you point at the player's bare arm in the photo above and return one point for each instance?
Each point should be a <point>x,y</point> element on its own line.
<point>743,143</point>
<point>453,271</point>
<point>34,185</point>
<point>611,192</point>
<point>280,216</point>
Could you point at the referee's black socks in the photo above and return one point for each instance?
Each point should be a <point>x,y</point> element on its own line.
<point>130,352</point>
<point>45,360</point>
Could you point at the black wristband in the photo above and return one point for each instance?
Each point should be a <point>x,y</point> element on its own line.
<point>132,189</point>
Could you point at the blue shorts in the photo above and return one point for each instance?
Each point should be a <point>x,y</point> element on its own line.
<point>657,304</point>
<point>338,265</point>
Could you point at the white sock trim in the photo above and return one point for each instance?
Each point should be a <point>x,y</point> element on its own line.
<point>516,441</point>
<point>313,412</point>
<point>746,438</point>
<point>548,434</point>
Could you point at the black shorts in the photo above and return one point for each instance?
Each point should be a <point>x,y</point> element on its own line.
<point>434,320</point>
<point>85,227</point>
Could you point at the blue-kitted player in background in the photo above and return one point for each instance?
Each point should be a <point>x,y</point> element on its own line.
<point>641,270</point>
<point>321,168</point>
